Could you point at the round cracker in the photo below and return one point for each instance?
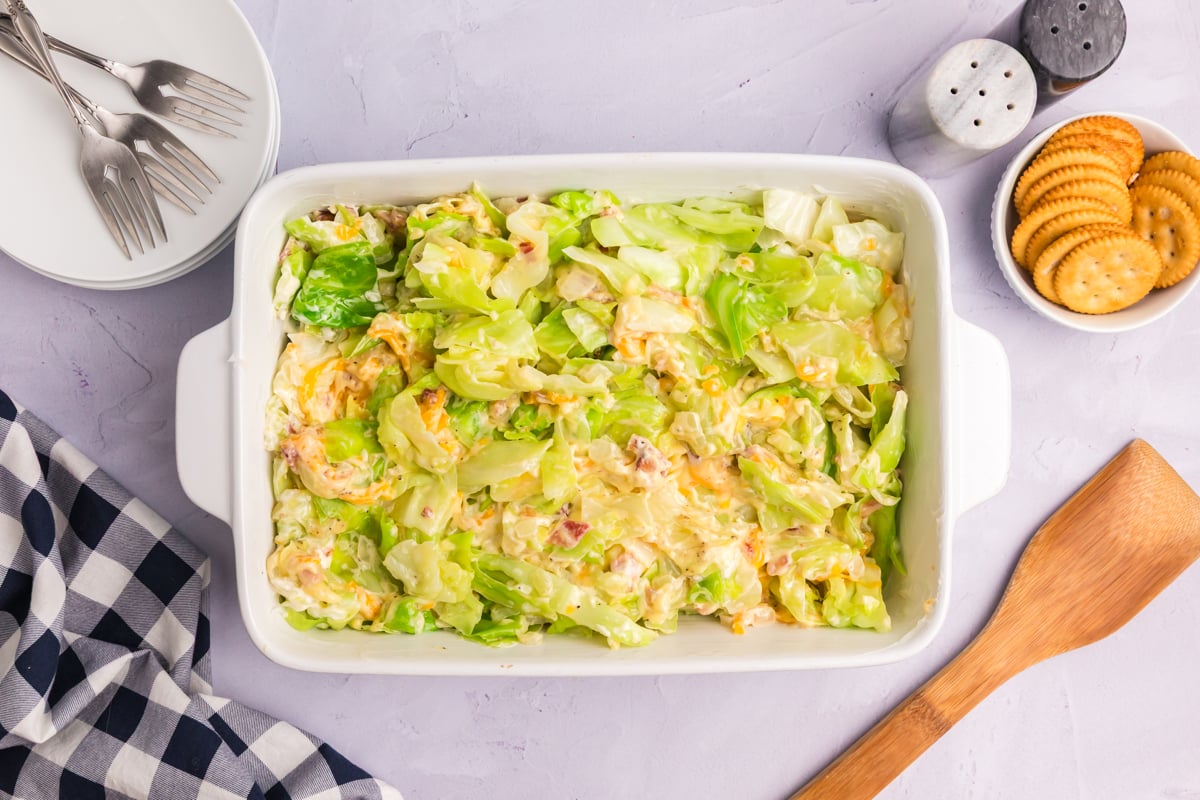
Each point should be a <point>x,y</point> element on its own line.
<point>1043,213</point>
<point>1107,273</point>
<point>1164,219</point>
<point>1044,164</point>
<point>1078,172</point>
<point>1056,227</point>
<point>1115,198</point>
<point>1116,128</point>
<point>1052,256</point>
<point>1178,182</point>
<point>1096,141</point>
<point>1174,159</point>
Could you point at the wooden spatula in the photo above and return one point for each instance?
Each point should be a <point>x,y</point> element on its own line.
<point>1097,562</point>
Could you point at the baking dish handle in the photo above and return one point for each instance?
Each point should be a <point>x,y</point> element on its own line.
<point>982,389</point>
<point>203,421</point>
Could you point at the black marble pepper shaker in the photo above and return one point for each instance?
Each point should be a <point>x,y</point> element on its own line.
<point>1070,42</point>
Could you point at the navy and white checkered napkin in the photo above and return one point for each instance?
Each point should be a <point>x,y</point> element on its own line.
<point>104,669</point>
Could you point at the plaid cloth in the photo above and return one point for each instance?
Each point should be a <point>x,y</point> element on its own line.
<point>104,667</point>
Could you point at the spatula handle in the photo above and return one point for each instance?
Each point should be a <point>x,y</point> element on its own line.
<point>885,751</point>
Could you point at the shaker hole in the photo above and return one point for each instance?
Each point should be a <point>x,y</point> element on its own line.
<point>974,65</point>
<point>1054,29</point>
<point>983,92</point>
<point>978,122</point>
<point>1008,73</point>
<point>1011,106</point>
<point>954,90</point>
<point>1083,6</point>
<point>1087,45</point>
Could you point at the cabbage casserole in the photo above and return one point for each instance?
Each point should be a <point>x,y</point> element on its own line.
<point>570,415</point>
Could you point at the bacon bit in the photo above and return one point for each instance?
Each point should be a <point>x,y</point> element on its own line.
<point>427,512</point>
<point>753,547</point>
<point>627,564</point>
<point>776,566</point>
<point>393,219</point>
<point>568,533</point>
<point>433,413</point>
<point>500,410</point>
<point>648,458</point>
<point>290,454</point>
<point>525,247</point>
<point>308,571</point>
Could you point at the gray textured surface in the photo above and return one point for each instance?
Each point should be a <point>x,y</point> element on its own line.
<point>371,80</point>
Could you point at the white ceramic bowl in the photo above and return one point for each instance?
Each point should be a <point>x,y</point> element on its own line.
<point>957,376</point>
<point>1004,220</point>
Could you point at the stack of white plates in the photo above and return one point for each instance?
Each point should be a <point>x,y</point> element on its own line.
<point>47,220</point>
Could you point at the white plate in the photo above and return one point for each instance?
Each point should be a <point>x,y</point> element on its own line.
<point>959,421</point>
<point>190,264</point>
<point>200,259</point>
<point>39,148</point>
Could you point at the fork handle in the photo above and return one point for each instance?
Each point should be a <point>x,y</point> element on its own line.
<point>35,41</point>
<point>12,46</point>
<point>6,23</point>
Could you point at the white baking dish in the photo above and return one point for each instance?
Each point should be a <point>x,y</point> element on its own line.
<point>957,376</point>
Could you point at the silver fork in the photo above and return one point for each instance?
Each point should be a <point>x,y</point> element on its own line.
<point>198,94</point>
<point>175,172</point>
<point>112,173</point>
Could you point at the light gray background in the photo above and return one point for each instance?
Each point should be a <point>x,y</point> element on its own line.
<point>383,80</point>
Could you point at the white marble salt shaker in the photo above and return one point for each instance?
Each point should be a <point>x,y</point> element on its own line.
<point>978,96</point>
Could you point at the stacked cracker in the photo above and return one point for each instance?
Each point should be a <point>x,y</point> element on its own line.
<point>1095,239</point>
